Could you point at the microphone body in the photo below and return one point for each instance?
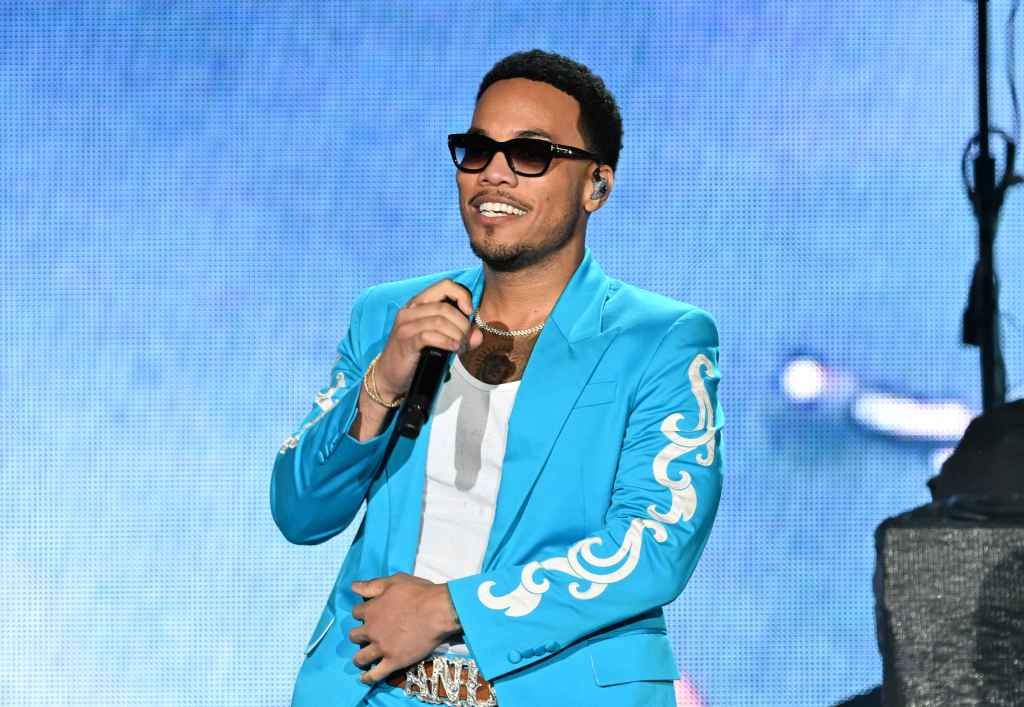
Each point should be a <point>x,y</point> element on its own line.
<point>426,382</point>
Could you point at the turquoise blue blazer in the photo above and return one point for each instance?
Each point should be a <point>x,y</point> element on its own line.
<point>610,485</point>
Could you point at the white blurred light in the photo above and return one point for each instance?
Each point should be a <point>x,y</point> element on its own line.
<point>941,420</point>
<point>803,380</point>
<point>939,456</point>
<point>687,695</point>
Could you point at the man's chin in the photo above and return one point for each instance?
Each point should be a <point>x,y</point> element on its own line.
<point>506,258</point>
<point>514,257</point>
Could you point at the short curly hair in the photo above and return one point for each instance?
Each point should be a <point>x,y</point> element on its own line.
<point>600,122</point>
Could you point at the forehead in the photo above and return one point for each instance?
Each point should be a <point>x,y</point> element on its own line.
<point>524,108</point>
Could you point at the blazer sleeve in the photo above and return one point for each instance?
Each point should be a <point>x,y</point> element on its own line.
<point>321,474</point>
<point>665,497</point>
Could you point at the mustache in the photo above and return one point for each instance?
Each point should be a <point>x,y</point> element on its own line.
<point>504,195</point>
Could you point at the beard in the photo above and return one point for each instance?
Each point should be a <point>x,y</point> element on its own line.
<point>515,257</point>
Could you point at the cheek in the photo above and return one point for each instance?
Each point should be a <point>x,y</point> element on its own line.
<point>465,183</point>
<point>562,197</point>
<point>557,208</point>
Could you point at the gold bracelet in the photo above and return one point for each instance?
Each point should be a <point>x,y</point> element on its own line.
<point>370,379</point>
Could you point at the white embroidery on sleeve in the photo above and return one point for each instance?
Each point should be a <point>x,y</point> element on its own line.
<point>526,597</point>
<point>325,400</point>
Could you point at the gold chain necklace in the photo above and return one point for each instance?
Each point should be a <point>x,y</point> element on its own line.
<point>501,332</point>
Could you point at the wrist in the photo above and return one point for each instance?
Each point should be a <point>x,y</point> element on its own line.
<point>371,388</point>
<point>447,616</point>
<point>383,380</point>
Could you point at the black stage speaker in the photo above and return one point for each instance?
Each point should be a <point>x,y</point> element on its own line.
<point>949,601</point>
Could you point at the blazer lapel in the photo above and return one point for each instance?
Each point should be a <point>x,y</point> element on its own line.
<point>406,467</point>
<point>567,351</point>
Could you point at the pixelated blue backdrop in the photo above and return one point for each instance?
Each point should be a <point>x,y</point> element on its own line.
<point>194,192</point>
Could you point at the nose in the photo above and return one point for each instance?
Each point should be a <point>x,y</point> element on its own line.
<point>498,171</point>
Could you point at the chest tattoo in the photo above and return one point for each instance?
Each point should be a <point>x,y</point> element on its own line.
<point>499,359</point>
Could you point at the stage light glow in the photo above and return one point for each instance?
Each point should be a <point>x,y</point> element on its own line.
<point>939,456</point>
<point>687,695</point>
<point>803,380</point>
<point>938,420</point>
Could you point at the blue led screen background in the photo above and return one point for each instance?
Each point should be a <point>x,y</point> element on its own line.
<point>193,194</point>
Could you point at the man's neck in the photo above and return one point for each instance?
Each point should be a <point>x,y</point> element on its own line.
<point>523,299</point>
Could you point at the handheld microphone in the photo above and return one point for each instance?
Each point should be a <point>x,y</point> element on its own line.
<point>426,382</point>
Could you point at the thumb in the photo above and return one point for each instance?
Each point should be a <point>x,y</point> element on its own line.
<point>371,588</point>
<point>475,338</point>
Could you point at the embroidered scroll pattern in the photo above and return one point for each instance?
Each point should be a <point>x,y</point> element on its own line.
<point>325,401</point>
<point>526,597</point>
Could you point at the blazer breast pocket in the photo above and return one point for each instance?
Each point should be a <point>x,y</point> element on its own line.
<point>596,394</point>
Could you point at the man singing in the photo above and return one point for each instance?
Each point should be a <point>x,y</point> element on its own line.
<point>520,551</point>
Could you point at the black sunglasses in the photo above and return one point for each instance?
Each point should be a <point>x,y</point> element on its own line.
<point>526,156</point>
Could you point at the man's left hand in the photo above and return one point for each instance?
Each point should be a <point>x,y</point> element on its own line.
<point>404,619</point>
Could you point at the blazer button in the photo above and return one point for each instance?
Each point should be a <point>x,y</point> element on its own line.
<point>527,652</point>
<point>540,649</point>
<point>320,457</point>
<point>515,657</point>
<point>552,646</point>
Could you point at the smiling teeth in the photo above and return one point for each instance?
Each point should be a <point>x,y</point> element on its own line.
<point>492,208</point>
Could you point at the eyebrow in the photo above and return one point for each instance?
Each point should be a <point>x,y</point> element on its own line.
<point>529,132</point>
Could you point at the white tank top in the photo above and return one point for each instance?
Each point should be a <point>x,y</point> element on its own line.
<point>464,458</point>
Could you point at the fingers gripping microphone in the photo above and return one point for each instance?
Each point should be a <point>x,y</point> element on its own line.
<point>426,382</point>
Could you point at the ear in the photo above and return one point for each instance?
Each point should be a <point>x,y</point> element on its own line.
<point>598,190</point>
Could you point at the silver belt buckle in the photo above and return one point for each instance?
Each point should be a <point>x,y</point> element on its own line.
<point>416,676</point>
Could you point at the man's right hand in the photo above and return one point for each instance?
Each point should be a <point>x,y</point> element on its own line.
<point>426,320</point>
